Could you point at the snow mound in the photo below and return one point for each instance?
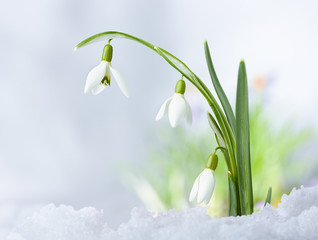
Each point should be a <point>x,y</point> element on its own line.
<point>295,218</point>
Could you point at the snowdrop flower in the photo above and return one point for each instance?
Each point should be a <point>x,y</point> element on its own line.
<point>203,186</point>
<point>176,106</point>
<point>99,77</point>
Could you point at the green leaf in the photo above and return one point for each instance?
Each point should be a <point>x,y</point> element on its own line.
<point>243,143</point>
<point>216,129</point>
<point>220,139</point>
<point>232,196</point>
<point>105,36</point>
<point>269,196</point>
<point>179,65</point>
<point>226,131</point>
<point>218,88</point>
<point>227,159</point>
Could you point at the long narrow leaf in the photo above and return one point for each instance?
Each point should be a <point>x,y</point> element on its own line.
<point>243,143</point>
<point>226,134</point>
<point>216,129</point>
<point>220,140</point>
<point>269,196</point>
<point>232,196</point>
<point>227,159</point>
<point>218,88</point>
<point>105,36</point>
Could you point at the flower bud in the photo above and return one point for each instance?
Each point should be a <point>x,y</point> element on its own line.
<point>180,87</point>
<point>107,53</point>
<point>212,162</point>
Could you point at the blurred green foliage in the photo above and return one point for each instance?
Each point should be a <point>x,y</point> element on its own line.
<point>174,164</point>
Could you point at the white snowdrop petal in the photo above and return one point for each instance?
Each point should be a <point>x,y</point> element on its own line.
<point>98,89</point>
<point>206,186</point>
<point>194,190</point>
<point>188,115</point>
<point>163,109</point>
<point>95,76</point>
<point>120,81</point>
<point>177,109</point>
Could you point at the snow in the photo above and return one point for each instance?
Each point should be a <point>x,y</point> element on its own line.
<point>295,218</point>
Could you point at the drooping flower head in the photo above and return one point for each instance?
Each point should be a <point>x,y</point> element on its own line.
<point>176,106</point>
<point>100,76</point>
<point>203,186</point>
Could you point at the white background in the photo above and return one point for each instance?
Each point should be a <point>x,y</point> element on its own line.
<point>59,145</point>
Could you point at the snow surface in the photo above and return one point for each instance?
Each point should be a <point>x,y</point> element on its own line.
<point>295,218</point>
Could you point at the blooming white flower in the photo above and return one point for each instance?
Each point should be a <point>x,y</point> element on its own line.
<point>203,187</point>
<point>99,77</point>
<point>176,107</point>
